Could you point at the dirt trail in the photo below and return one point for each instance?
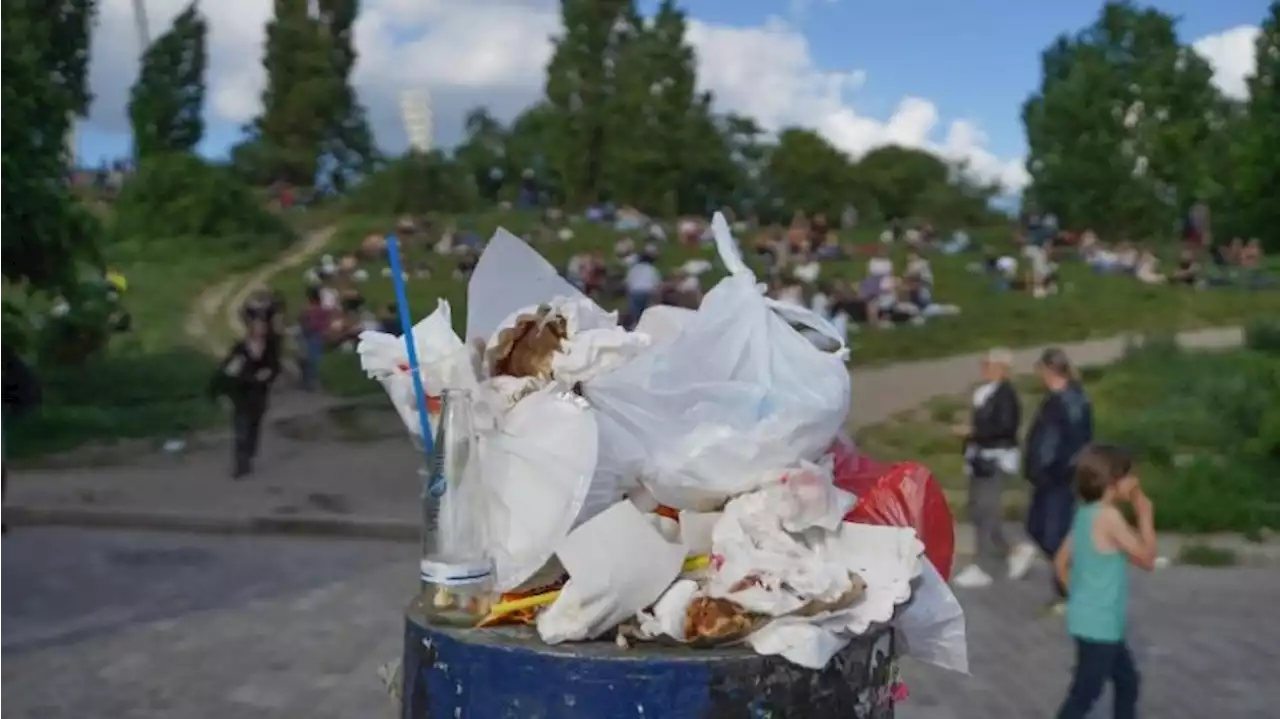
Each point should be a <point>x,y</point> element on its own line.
<point>228,295</point>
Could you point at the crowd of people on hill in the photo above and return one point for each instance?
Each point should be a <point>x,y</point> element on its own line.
<point>791,260</point>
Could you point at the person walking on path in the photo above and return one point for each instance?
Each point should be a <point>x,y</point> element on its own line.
<point>314,325</point>
<point>245,377</point>
<point>991,454</point>
<point>1093,565</point>
<point>21,395</point>
<point>1063,426</point>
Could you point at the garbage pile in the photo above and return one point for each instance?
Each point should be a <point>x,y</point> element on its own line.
<point>687,482</point>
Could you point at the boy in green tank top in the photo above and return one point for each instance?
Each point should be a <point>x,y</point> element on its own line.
<point>1093,566</point>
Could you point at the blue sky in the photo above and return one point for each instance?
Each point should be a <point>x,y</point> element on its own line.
<point>949,75</point>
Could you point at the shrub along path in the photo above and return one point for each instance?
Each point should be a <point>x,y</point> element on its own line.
<point>312,482</point>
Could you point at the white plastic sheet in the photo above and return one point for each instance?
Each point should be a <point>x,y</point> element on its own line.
<point>510,275</point>
<point>538,467</point>
<point>736,395</point>
<point>933,625</point>
<point>618,564</point>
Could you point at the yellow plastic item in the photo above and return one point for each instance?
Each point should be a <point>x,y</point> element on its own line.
<point>501,609</point>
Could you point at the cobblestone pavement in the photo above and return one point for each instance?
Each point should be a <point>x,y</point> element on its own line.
<point>121,625</point>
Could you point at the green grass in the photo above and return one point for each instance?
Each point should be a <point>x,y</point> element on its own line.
<point>150,381</point>
<point>1206,555</point>
<point>1204,425</point>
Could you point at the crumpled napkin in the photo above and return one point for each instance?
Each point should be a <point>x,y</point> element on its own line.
<point>784,551</point>
<point>886,558</point>
<point>618,564</point>
<point>444,362</point>
<point>771,544</point>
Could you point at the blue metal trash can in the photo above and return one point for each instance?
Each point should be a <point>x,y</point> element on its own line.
<point>508,673</point>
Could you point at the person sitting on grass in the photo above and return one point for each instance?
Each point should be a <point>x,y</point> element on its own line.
<point>1147,270</point>
<point>1126,257</point>
<point>830,248</point>
<point>918,268</point>
<point>1188,271</point>
<point>1249,257</point>
<point>1042,272</point>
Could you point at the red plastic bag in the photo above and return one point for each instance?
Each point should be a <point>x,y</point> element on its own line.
<point>901,495</point>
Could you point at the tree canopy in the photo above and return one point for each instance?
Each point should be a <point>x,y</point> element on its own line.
<point>166,104</point>
<point>1127,130</point>
<point>312,129</point>
<point>624,120</point>
<point>45,59</point>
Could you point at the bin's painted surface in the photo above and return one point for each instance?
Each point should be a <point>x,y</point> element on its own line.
<point>508,673</point>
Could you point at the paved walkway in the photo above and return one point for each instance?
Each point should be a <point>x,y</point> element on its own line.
<point>322,485</point>
<point>122,625</point>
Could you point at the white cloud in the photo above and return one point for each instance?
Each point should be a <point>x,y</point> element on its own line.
<point>493,52</point>
<point>1230,52</point>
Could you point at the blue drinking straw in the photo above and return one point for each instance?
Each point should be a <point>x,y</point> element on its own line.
<point>406,329</point>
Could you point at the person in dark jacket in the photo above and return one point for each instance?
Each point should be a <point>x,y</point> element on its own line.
<point>21,396</point>
<point>1063,426</point>
<point>991,454</point>
<point>245,377</point>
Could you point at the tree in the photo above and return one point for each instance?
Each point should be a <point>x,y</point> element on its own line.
<point>45,59</point>
<point>348,146</point>
<point>580,88</point>
<point>1258,150</point>
<point>311,128</point>
<point>483,153</point>
<point>166,104</point>
<point>1121,130</point>
<point>655,113</point>
<point>415,183</point>
<point>805,172</point>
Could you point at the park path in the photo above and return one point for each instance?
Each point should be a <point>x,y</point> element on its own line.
<point>312,245</point>
<point>879,393</point>
<point>308,485</point>
<point>140,624</point>
<point>214,316</point>
<point>227,296</point>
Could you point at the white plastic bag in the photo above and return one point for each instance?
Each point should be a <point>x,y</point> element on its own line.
<point>735,396</point>
<point>932,626</point>
<point>537,468</point>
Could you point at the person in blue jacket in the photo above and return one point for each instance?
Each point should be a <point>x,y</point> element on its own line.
<point>1061,429</point>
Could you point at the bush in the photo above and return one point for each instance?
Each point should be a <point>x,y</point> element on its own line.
<point>1263,335</point>
<point>114,397</point>
<point>184,196</point>
<point>1206,427</point>
<point>415,184</point>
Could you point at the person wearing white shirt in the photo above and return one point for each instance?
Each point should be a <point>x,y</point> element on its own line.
<point>879,266</point>
<point>642,282</point>
<point>918,267</point>
<point>807,271</point>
